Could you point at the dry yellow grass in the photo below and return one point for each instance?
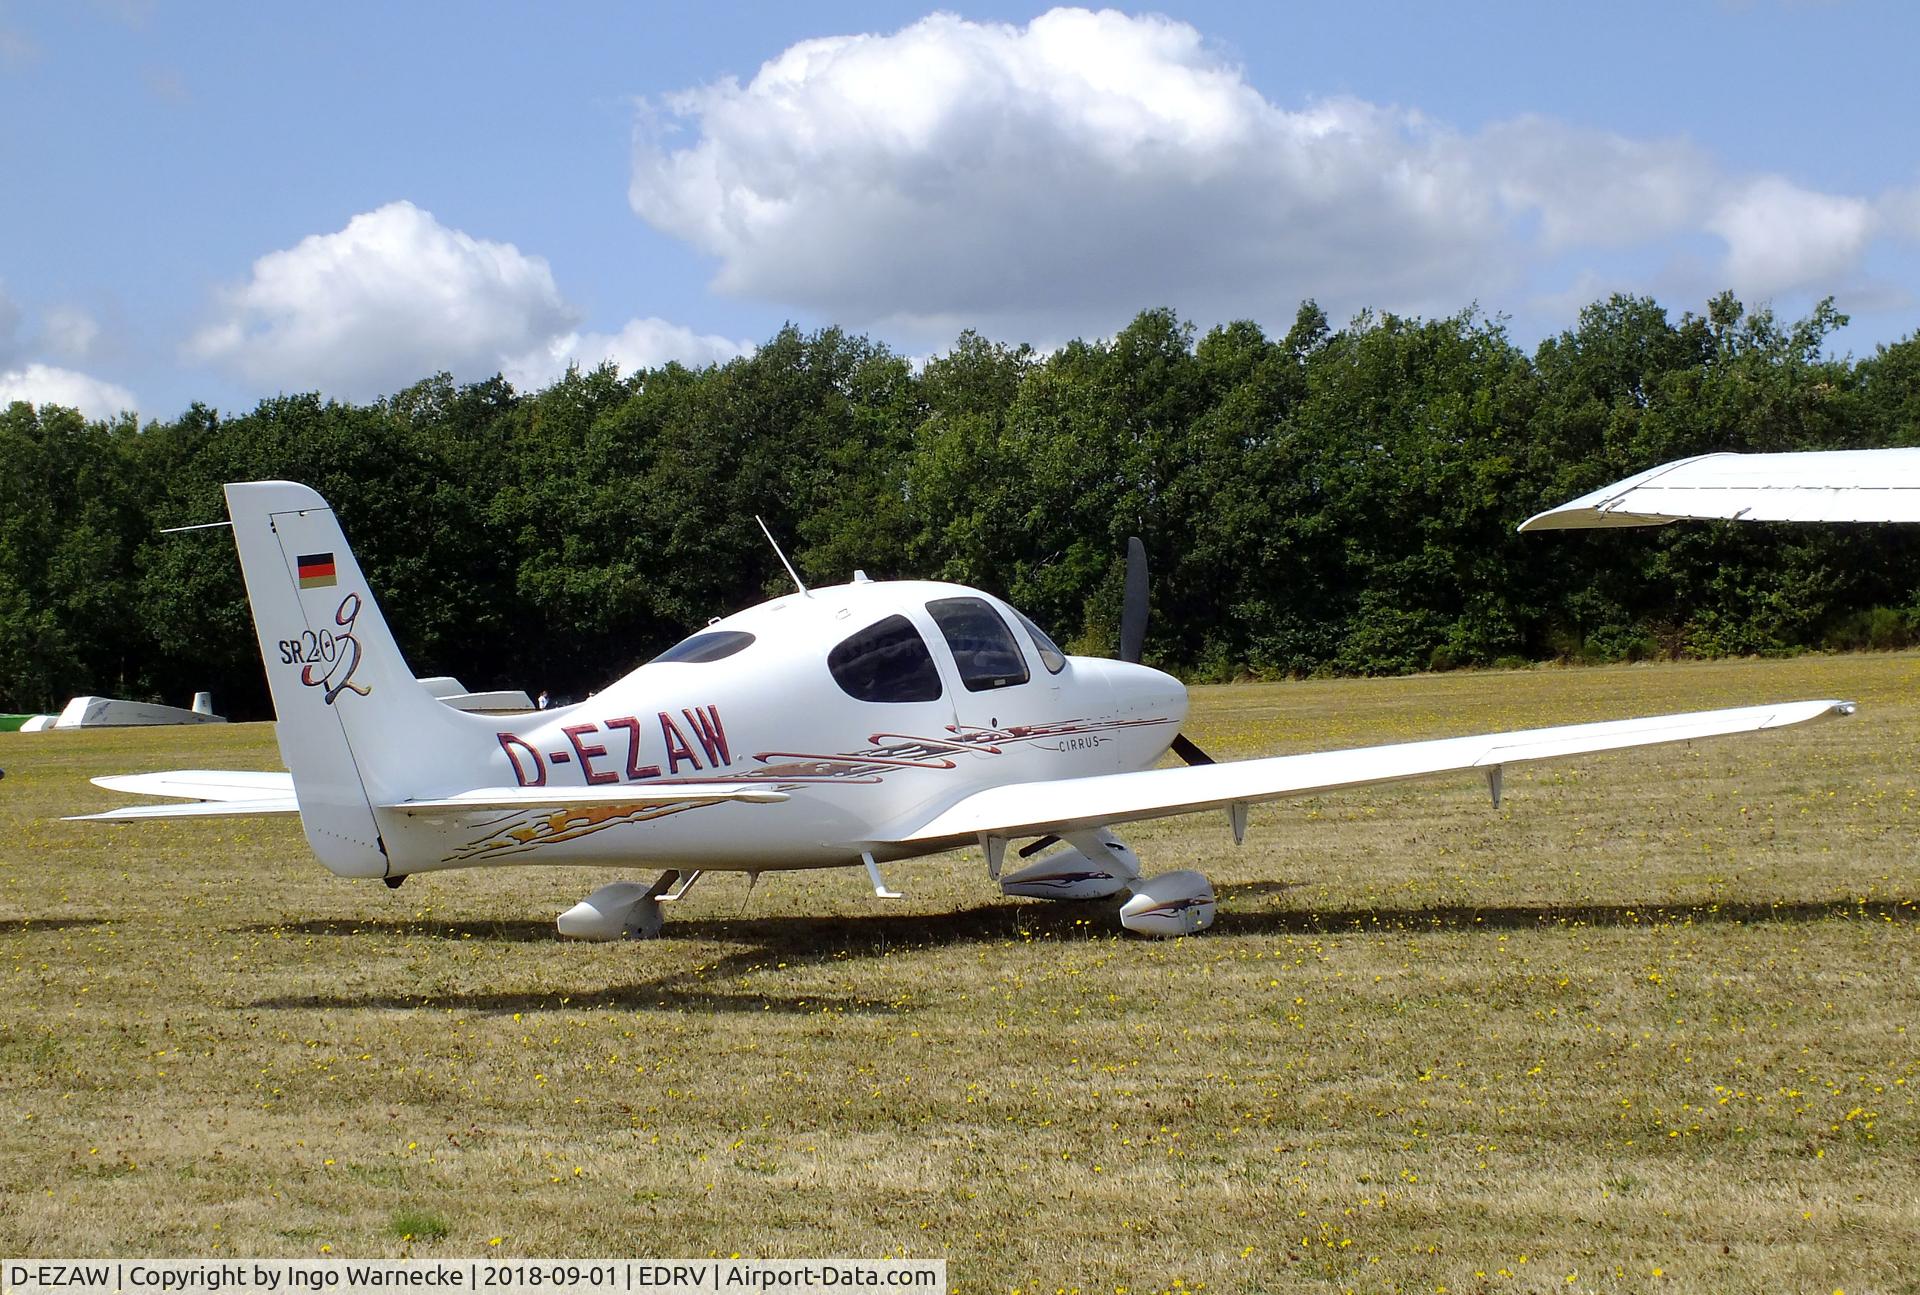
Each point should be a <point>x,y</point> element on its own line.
<point>1647,1027</point>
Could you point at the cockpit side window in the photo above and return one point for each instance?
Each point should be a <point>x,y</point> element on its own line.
<point>1050,654</point>
<point>708,645</point>
<point>983,647</point>
<point>886,661</point>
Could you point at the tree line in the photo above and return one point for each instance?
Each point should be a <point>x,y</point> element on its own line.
<point>1323,501</point>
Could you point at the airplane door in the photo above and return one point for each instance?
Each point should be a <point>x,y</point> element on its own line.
<point>991,684</point>
<point>906,723</point>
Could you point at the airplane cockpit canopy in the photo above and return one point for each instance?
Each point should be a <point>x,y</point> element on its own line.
<point>708,645</point>
<point>983,647</point>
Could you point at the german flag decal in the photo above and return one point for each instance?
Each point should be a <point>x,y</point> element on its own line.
<point>316,570</point>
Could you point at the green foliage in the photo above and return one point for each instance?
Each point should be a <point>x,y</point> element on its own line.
<point>1877,629</point>
<point>417,1225</point>
<point>1328,501</point>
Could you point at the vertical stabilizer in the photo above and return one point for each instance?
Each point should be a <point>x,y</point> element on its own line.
<point>355,728</point>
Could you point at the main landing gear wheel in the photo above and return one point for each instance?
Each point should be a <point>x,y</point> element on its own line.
<point>623,910</point>
<point>1173,903</point>
<point>1094,864</point>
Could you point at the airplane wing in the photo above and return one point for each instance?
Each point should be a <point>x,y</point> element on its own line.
<point>193,809</point>
<point>1815,486</point>
<point>1074,804</point>
<point>222,792</point>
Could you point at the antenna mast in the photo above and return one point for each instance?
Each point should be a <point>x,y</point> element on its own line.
<point>798,583</point>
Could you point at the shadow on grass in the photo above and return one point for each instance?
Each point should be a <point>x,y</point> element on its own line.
<point>811,938</point>
<point>1546,917</point>
<point>1237,891</point>
<point>787,938</point>
<point>764,943</point>
<point>27,925</point>
<point>510,931</point>
<point>714,986</point>
<point>666,994</point>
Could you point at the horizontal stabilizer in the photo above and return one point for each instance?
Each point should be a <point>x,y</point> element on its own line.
<point>204,784</point>
<point>1072,804</point>
<point>195,809</point>
<point>229,792</point>
<point>211,793</point>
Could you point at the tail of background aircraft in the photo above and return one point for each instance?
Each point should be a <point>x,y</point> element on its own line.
<point>355,727</point>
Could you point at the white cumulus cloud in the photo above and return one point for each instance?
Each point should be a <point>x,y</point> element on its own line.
<point>43,384</point>
<point>642,344</point>
<point>1087,159</point>
<point>397,295</point>
<point>1781,236</point>
<point>393,297</point>
<point>39,383</point>
<point>69,331</point>
<point>1060,174</point>
<point>1594,188</point>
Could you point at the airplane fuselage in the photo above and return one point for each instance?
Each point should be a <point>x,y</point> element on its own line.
<point>870,705</point>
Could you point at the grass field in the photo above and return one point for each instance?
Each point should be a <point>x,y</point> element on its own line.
<point>1649,1026</point>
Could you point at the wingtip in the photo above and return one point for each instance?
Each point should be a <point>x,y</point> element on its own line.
<point>1812,711</point>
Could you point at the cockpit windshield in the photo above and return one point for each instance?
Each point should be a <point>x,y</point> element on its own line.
<point>1050,654</point>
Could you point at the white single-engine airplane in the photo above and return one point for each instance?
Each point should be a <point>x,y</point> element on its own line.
<point>835,727</point>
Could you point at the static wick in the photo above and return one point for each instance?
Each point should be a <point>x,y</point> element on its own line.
<point>203,526</point>
<point>800,584</point>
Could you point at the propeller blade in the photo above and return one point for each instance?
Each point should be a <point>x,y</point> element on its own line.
<point>1185,748</point>
<point>1133,613</point>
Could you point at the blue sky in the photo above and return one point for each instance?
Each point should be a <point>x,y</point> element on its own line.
<point>222,201</point>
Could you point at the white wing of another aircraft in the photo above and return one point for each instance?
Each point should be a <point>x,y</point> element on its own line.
<point>1814,486</point>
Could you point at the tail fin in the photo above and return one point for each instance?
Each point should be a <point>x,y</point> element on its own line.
<point>355,727</point>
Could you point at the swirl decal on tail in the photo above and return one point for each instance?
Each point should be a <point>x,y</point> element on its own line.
<point>336,655</point>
